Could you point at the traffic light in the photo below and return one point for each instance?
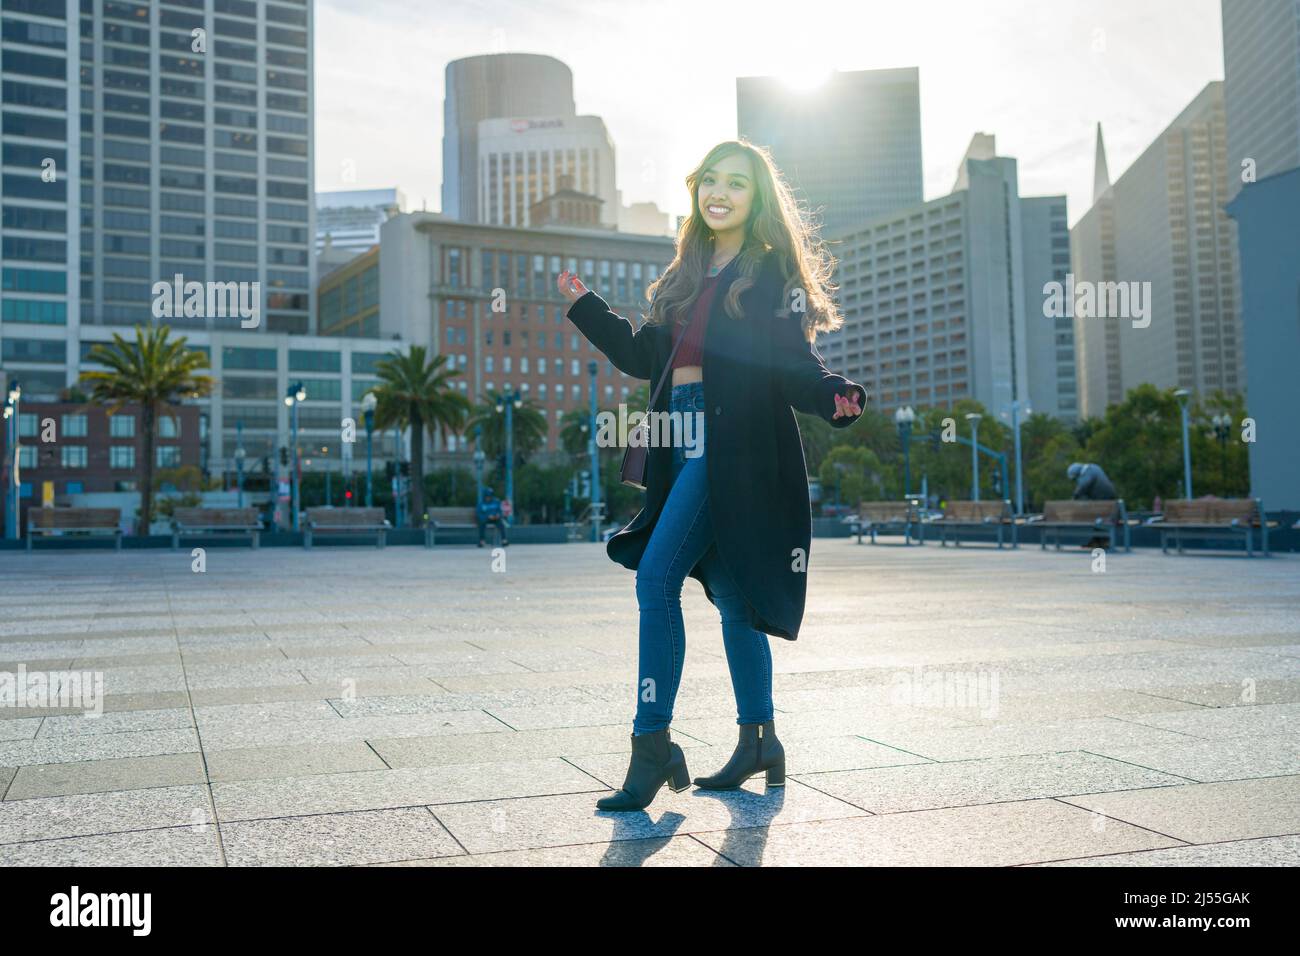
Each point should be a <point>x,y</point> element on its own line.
<point>284,455</point>
<point>389,470</point>
<point>406,469</point>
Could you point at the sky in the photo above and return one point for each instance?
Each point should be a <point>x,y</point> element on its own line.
<point>1038,74</point>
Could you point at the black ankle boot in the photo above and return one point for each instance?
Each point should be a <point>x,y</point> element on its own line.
<point>656,760</point>
<point>757,750</point>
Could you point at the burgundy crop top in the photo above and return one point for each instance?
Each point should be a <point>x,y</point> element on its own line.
<point>691,351</point>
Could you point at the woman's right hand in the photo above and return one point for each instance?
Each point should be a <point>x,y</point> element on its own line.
<point>571,286</point>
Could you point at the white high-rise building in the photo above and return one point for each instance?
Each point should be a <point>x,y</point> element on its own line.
<point>350,218</point>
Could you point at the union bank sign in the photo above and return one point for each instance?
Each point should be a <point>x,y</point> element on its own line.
<point>525,125</point>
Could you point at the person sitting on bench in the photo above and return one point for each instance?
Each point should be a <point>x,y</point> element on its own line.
<point>1091,484</point>
<point>489,512</point>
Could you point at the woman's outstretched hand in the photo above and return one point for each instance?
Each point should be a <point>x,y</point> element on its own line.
<point>847,405</point>
<point>571,286</point>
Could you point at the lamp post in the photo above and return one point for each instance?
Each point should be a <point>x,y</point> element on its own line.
<point>293,397</point>
<point>596,505</point>
<point>479,458</point>
<point>239,459</point>
<point>974,419</point>
<point>1222,430</point>
<point>1016,406</point>
<point>329,488</point>
<point>904,418</point>
<point>509,403</point>
<point>368,403</point>
<point>12,401</point>
<point>1183,395</point>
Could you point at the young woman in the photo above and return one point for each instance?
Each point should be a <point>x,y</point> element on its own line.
<point>740,304</point>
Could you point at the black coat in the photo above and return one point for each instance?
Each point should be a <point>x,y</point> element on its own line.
<point>755,369</point>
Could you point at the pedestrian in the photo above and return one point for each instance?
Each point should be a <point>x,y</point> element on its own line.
<point>1091,484</point>
<point>489,512</point>
<point>731,324</point>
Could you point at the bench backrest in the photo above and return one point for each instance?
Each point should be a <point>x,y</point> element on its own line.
<point>346,517</point>
<point>977,511</point>
<point>449,515</point>
<point>216,517</point>
<point>54,518</point>
<point>885,510</point>
<point>1212,511</point>
<point>1080,512</point>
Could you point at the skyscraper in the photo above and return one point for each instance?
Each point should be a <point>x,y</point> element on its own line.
<point>181,135</point>
<point>1261,70</point>
<point>492,86</point>
<point>1162,225</point>
<point>851,148</point>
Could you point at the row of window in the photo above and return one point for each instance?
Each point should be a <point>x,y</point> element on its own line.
<point>119,456</point>
<point>73,425</point>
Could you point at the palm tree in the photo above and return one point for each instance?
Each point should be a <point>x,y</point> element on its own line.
<point>529,426</point>
<point>416,392</point>
<point>155,372</point>
<point>574,426</point>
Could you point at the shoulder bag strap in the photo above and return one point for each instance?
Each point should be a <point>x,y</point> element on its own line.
<point>668,369</point>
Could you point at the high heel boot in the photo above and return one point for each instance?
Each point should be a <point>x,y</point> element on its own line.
<point>757,750</point>
<point>656,760</point>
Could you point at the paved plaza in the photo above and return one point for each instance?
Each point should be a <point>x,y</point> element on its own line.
<point>351,706</point>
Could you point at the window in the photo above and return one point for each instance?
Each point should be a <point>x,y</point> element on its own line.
<point>121,456</point>
<point>169,427</point>
<point>74,426</point>
<point>168,456</point>
<point>74,487</point>
<point>505,364</point>
<point>26,425</point>
<point>73,456</point>
<point>26,456</point>
<point>488,363</point>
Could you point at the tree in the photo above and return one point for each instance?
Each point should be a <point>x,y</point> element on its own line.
<point>1139,445</point>
<point>155,372</point>
<point>574,431</point>
<point>854,473</point>
<point>529,426</point>
<point>416,392</point>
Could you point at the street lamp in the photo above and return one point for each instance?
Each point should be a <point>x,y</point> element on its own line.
<point>479,458</point>
<point>974,419</point>
<point>11,451</point>
<point>293,397</point>
<point>1016,406</point>
<point>368,403</point>
<point>1183,395</point>
<point>904,418</point>
<point>1222,430</point>
<point>240,454</point>
<point>596,504</point>
<point>509,402</point>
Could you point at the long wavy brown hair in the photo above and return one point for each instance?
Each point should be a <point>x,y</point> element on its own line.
<point>775,223</point>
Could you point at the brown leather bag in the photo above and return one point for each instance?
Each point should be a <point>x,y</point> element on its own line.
<point>636,456</point>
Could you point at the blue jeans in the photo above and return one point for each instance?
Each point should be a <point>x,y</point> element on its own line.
<point>683,536</point>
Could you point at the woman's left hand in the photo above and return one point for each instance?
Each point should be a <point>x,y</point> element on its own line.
<point>847,405</point>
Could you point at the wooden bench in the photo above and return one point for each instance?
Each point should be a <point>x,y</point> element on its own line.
<point>1092,518</point>
<point>74,521</point>
<point>455,519</point>
<point>215,521</point>
<point>1214,518</point>
<point>986,515</point>
<point>345,521</point>
<point>878,515</point>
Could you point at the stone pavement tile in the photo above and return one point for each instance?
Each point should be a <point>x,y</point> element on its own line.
<point>1000,779</point>
<point>1027,707</point>
<point>389,789</point>
<point>876,724</point>
<point>362,687</point>
<point>84,814</point>
<point>253,763</point>
<point>84,663</point>
<point>1228,721</point>
<point>810,755</point>
<point>600,713</point>
<point>146,679</point>
<point>265,712</point>
<point>6,775</point>
<point>76,747</point>
<point>1001,834</point>
<point>20,728</point>
<point>13,653</point>
<point>242,675</point>
<point>102,776</point>
<point>337,839</point>
<point>440,700</point>
<point>1207,812</point>
<point>523,745</point>
<point>562,820</point>
<point>1010,739</point>
<point>81,724</point>
<point>235,735</point>
<point>1264,851</point>
<point>488,666</point>
<point>1222,758</point>
<point>520,680</point>
<point>171,846</point>
<point>51,628</point>
<point>1225,694</point>
<point>670,851</point>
